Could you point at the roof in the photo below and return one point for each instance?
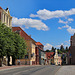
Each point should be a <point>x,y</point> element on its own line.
<point>49,53</point>
<point>22,33</point>
<point>71,37</point>
<point>0,7</point>
<point>38,43</point>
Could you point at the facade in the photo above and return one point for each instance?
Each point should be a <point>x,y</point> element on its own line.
<point>30,57</point>
<point>40,54</point>
<point>37,55</point>
<point>72,50</point>
<point>5,17</point>
<point>42,62</point>
<point>57,58</point>
<point>50,57</point>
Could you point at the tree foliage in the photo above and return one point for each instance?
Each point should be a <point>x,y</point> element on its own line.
<point>11,44</point>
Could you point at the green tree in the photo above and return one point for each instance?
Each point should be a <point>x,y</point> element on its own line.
<point>11,44</point>
<point>47,50</point>
<point>66,49</point>
<point>62,48</point>
<point>20,47</point>
<point>53,49</point>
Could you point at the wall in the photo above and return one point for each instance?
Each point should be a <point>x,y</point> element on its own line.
<point>0,16</point>
<point>6,18</point>
<point>33,53</point>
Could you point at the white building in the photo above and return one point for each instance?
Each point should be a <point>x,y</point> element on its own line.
<point>57,58</point>
<point>5,17</point>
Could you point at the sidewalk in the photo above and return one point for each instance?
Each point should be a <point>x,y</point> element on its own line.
<point>15,66</point>
<point>66,70</point>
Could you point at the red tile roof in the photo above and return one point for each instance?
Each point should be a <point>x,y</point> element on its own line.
<point>0,7</point>
<point>50,55</point>
<point>22,33</point>
<point>38,43</point>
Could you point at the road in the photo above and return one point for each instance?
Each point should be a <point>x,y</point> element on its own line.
<point>66,70</point>
<point>31,70</point>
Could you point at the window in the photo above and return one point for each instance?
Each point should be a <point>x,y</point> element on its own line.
<point>4,17</point>
<point>7,20</point>
<point>26,56</point>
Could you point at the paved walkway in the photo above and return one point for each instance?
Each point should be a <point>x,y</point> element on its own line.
<point>66,70</point>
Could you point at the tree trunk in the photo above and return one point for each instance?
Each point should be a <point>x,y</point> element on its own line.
<point>8,60</point>
<point>13,60</point>
<point>0,61</point>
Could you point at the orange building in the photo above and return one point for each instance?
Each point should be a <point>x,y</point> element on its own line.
<point>30,57</point>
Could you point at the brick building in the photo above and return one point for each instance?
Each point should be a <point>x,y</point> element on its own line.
<point>40,54</point>
<point>72,50</point>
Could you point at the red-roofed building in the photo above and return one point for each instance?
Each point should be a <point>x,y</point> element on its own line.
<point>0,7</point>
<point>40,54</point>
<point>40,45</point>
<point>30,57</point>
<point>50,57</point>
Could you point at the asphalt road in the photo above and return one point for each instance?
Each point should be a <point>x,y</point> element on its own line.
<point>31,70</point>
<point>66,70</point>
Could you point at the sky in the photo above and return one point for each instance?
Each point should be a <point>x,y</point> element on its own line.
<point>51,22</point>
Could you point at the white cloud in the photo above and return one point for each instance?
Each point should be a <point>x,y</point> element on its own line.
<point>59,27</point>
<point>68,42</point>
<point>70,19</point>
<point>71,30</point>
<point>47,46</point>
<point>46,14</point>
<point>66,26</point>
<point>38,24</point>
<point>61,21</point>
<point>64,45</point>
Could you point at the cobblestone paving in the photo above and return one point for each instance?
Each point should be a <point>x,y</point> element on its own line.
<point>66,70</point>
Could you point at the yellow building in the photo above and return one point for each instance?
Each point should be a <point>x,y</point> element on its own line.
<point>30,57</point>
<point>5,17</point>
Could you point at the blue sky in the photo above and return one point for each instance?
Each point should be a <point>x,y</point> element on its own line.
<point>51,22</point>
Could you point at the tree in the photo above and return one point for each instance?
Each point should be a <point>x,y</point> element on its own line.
<point>47,50</point>
<point>11,44</point>
<point>20,47</point>
<point>66,49</point>
<point>62,48</point>
<point>53,49</point>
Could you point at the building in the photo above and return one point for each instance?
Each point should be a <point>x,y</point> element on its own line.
<point>37,55</point>
<point>72,50</point>
<point>50,57</point>
<point>30,57</point>
<point>57,58</point>
<point>40,54</point>
<point>5,17</point>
